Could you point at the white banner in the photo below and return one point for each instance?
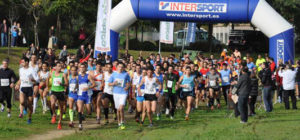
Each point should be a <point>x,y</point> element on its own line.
<point>166,32</point>
<point>102,39</point>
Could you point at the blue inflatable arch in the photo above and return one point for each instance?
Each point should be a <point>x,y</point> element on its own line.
<point>258,12</point>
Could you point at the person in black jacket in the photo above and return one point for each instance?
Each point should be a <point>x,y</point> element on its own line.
<point>243,90</point>
<point>265,76</point>
<point>7,80</point>
<point>253,94</point>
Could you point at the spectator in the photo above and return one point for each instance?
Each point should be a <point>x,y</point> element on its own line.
<point>89,50</point>
<point>82,35</point>
<point>272,64</point>
<point>52,36</point>
<point>237,53</point>
<point>243,90</point>
<point>250,64</point>
<point>259,61</point>
<point>4,29</point>
<point>14,37</point>
<point>32,49</point>
<point>81,52</point>
<point>50,57</point>
<point>63,53</point>
<point>298,79</point>
<point>266,79</point>
<point>19,30</point>
<point>288,75</point>
<point>253,93</point>
<point>13,27</point>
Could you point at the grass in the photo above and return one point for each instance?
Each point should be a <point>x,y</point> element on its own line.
<point>206,125</point>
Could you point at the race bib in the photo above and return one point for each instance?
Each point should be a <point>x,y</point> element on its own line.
<point>25,81</point>
<point>72,87</point>
<point>188,87</point>
<point>4,82</point>
<point>57,81</point>
<point>120,82</point>
<point>169,84</point>
<point>212,83</point>
<point>81,87</point>
<point>225,79</point>
<point>150,88</point>
<point>98,85</point>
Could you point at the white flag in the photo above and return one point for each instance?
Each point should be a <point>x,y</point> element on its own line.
<point>102,39</point>
<point>166,32</point>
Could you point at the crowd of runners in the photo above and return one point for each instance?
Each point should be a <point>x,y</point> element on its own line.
<point>148,86</point>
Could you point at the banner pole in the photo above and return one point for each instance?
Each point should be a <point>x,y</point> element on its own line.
<point>184,38</point>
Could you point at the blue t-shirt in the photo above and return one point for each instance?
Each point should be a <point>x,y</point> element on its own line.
<point>14,33</point>
<point>225,76</point>
<point>250,65</point>
<point>122,79</point>
<point>91,68</point>
<point>161,80</point>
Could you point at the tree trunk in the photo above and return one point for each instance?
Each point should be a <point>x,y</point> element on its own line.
<point>58,22</point>
<point>210,32</point>
<point>142,38</point>
<point>136,31</point>
<point>127,39</point>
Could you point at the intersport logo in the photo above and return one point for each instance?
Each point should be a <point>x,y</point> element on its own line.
<point>193,7</point>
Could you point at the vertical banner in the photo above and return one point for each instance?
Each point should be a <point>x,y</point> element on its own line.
<point>102,38</point>
<point>191,33</point>
<point>166,32</point>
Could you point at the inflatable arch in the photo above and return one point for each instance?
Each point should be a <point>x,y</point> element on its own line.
<point>258,12</point>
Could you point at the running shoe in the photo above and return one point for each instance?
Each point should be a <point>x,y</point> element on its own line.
<point>24,111</point>
<point>98,121</point>
<point>80,127</point>
<point>219,106</point>
<point>106,122</point>
<point>172,118</point>
<point>150,125</point>
<point>71,125</point>
<point>20,115</point>
<point>53,120</point>
<point>187,118</point>
<point>122,127</point>
<point>158,117</point>
<point>59,126</point>
<point>212,108</point>
<point>2,108</point>
<point>64,116</point>
<point>137,120</point>
<point>29,121</point>
<point>8,115</point>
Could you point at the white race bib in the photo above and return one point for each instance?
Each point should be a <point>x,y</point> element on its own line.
<point>212,83</point>
<point>57,81</point>
<point>188,87</point>
<point>72,87</point>
<point>169,84</point>
<point>120,82</point>
<point>4,82</point>
<point>81,87</point>
<point>225,79</point>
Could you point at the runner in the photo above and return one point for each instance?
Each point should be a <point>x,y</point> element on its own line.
<point>27,79</point>
<point>170,90</point>
<point>98,90</point>
<point>43,89</point>
<point>151,94</point>
<point>86,82</point>
<point>212,83</point>
<point>160,99</point>
<point>188,84</point>
<point>225,76</point>
<point>7,82</point>
<point>35,67</point>
<point>139,97</point>
<point>107,96</point>
<point>58,83</point>
<point>73,90</point>
<point>120,81</point>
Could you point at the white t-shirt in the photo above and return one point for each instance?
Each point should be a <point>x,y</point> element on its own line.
<point>150,85</point>
<point>107,89</point>
<point>26,75</point>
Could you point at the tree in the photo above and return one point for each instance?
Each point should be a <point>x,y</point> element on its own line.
<point>36,8</point>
